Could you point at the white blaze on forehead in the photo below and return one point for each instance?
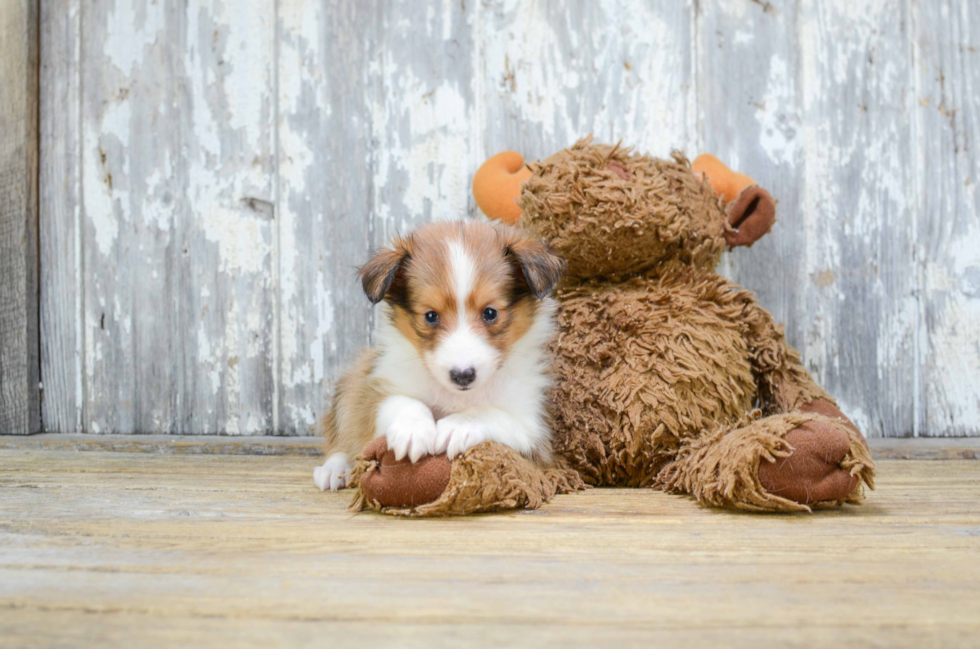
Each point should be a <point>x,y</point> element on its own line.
<point>464,272</point>
<point>464,347</point>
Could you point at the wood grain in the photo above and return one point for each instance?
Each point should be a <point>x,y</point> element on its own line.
<point>325,202</point>
<point>223,256</point>
<point>258,153</point>
<point>426,124</point>
<point>947,165</point>
<point>858,283</point>
<point>142,548</point>
<point>60,218</point>
<point>176,148</point>
<point>749,75</point>
<point>128,212</point>
<point>556,71</point>
<point>19,355</point>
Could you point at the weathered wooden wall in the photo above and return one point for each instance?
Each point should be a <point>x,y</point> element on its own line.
<point>20,404</point>
<point>213,171</point>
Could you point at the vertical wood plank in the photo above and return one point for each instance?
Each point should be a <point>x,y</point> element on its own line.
<point>224,263</point>
<point>19,353</point>
<point>859,287</point>
<point>128,212</point>
<point>424,122</point>
<point>325,97</point>
<point>59,212</point>
<point>557,71</point>
<point>177,159</point>
<point>748,93</point>
<point>947,164</point>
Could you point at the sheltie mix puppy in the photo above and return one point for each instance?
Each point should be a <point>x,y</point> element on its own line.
<point>461,354</point>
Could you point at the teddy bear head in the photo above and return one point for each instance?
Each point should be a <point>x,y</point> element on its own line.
<point>612,213</point>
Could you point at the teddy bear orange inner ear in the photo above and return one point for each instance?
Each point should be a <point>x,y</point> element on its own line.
<point>497,185</point>
<point>727,183</point>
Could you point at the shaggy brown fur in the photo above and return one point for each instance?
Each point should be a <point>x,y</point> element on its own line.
<point>611,227</point>
<point>666,374</point>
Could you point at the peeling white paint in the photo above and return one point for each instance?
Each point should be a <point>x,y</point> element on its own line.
<point>954,343</point>
<point>98,200</point>
<point>140,29</point>
<point>523,65</point>
<point>241,243</point>
<point>247,87</point>
<point>304,416</point>
<point>207,359</point>
<point>427,137</point>
<point>955,347</point>
<point>779,132</point>
<point>324,327</point>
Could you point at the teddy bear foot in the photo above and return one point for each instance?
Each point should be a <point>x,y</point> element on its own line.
<point>813,472</point>
<point>402,483</point>
<point>828,462</point>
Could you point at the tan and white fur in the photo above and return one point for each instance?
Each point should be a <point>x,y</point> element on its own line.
<point>461,352</point>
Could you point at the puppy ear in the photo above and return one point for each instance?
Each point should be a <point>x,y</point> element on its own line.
<point>541,267</point>
<point>378,275</point>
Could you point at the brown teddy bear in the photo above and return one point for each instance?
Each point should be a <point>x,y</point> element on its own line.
<point>667,375</point>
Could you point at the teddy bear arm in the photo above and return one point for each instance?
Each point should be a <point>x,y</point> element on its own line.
<point>783,384</point>
<point>787,387</point>
<point>488,477</point>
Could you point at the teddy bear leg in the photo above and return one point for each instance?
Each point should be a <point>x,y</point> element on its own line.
<point>488,477</point>
<point>786,462</point>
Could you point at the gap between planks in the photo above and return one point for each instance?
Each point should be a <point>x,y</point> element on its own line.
<point>938,448</point>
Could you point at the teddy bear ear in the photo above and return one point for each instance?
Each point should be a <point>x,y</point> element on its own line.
<point>497,186</point>
<point>541,267</point>
<point>379,275</point>
<point>750,216</point>
<point>750,210</point>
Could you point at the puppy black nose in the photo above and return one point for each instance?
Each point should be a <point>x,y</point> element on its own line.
<point>463,377</point>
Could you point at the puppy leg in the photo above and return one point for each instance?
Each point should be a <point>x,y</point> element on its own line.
<point>333,474</point>
<point>409,427</point>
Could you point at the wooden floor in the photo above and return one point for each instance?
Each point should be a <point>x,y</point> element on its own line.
<point>144,549</point>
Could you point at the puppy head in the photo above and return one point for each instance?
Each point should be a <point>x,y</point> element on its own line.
<point>463,294</point>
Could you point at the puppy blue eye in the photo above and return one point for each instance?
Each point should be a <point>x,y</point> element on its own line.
<point>432,318</point>
<point>489,315</point>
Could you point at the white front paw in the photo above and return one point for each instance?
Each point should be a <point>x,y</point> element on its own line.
<point>459,433</point>
<point>412,433</point>
<point>333,474</point>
